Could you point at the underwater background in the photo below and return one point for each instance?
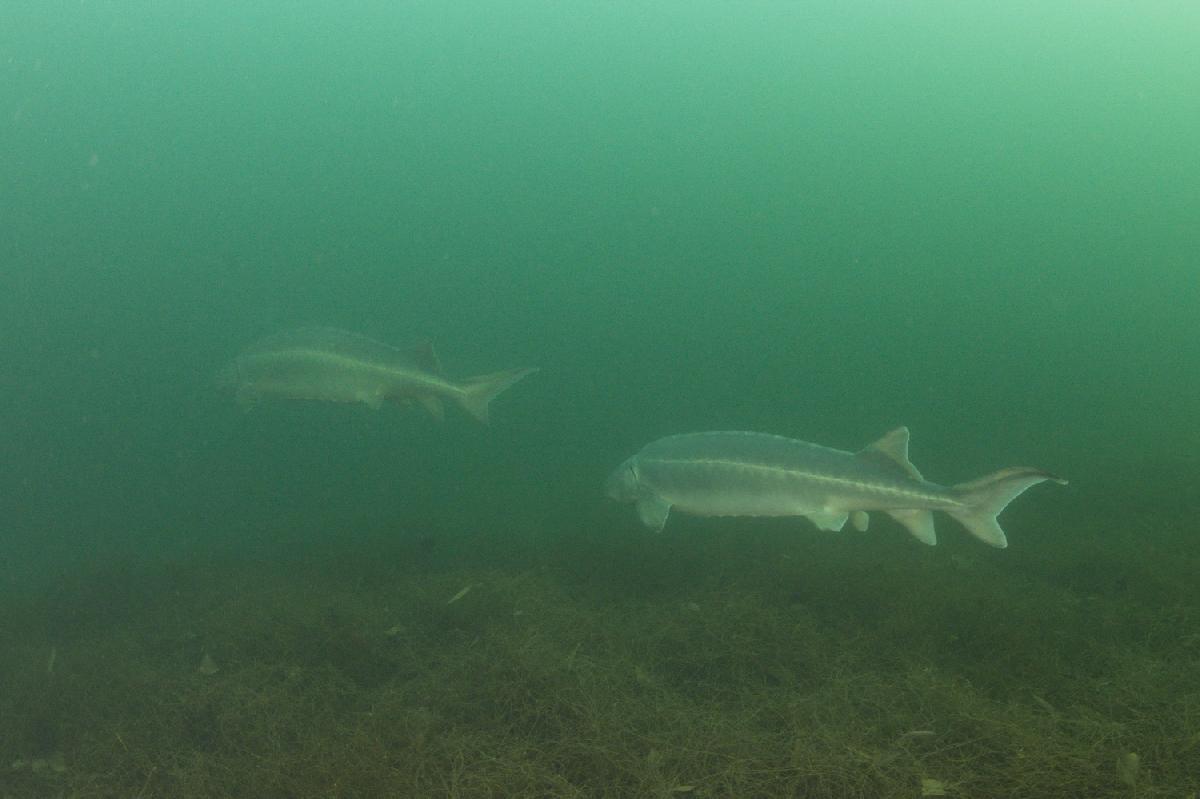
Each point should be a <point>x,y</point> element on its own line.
<point>821,220</point>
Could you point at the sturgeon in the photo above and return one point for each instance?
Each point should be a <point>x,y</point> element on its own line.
<point>325,364</point>
<point>755,474</point>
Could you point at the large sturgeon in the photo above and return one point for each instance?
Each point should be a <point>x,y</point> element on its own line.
<point>754,474</point>
<point>319,363</point>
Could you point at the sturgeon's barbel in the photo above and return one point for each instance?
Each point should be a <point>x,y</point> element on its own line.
<point>755,474</point>
<point>325,364</point>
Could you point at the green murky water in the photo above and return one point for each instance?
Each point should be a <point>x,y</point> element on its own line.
<point>818,220</point>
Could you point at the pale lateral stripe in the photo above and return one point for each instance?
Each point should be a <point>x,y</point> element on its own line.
<point>816,477</point>
<point>414,374</point>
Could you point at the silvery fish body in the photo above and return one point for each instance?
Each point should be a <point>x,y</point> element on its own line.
<point>330,365</point>
<point>733,473</point>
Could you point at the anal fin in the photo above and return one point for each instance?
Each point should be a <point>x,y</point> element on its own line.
<point>918,522</point>
<point>828,520</point>
<point>433,405</point>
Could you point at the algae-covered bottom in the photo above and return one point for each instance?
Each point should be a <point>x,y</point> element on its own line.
<point>759,661</point>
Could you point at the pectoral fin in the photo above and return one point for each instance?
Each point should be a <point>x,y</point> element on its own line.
<point>653,510</point>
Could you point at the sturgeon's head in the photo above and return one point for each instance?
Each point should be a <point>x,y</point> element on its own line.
<point>622,484</point>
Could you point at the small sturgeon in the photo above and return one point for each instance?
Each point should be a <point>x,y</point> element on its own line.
<point>754,474</point>
<point>329,365</point>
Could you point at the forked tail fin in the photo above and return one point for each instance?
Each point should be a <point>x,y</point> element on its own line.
<point>986,497</point>
<point>477,392</point>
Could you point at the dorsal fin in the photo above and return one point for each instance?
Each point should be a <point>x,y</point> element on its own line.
<point>425,357</point>
<point>893,446</point>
